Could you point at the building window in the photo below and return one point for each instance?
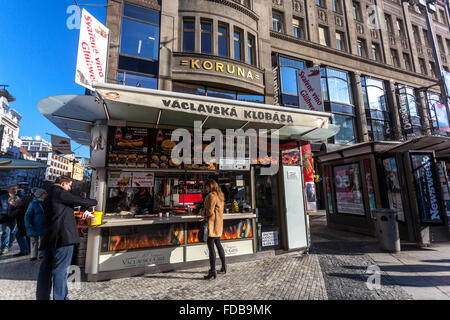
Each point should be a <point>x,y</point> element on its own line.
<point>216,92</point>
<point>336,5</point>
<point>442,16</point>
<point>276,22</point>
<point>361,48</point>
<point>320,3</point>
<point>356,11</point>
<point>394,58</point>
<point>337,95</point>
<point>409,117</point>
<point>237,39</point>
<point>140,32</point>
<point>433,69</point>
<point>447,42</point>
<point>139,45</point>
<point>376,53</point>
<point>206,38</point>
<point>134,80</point>
<point>188,35</point>
<point>426,38</point>
<point>288,78</point>
<point>407,61</point>
<point>297,26</point>
<point>400,28</point>
<point>340,41</point>
<point>223,40</point>
<point>387,19</point>
<point>251,49</point>
<point>416,35</point>
<point>423,67</point>
<point>324,37</point>
<point>440,44</point>
<point>377,112</point>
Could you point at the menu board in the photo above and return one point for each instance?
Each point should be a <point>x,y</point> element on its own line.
<point>128,147</point>
<point>290,154</point>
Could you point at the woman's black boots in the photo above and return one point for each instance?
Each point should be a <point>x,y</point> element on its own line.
<point>210,275</point>
<point>223,269</point>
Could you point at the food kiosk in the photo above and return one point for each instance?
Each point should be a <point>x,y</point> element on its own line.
<point>150,202</point>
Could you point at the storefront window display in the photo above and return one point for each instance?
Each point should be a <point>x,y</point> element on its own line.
<point>409,117</point>
<point>348,189</point>
<point>428,195</point>
<point>393,187</point>
<point>438,115</point>
<point>377,111</point>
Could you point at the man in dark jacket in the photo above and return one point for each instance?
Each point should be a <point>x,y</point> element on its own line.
<point>59,240</point>
<point>19,214</point>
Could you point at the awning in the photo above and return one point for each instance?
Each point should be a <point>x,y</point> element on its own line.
<point>75,115</point>
<point>440,145</point>
<point>358,149</point>
<point>14,164</point>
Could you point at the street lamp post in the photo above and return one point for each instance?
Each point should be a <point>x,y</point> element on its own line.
<point>441,81</point>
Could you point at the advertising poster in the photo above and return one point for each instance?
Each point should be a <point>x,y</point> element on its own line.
<point>98,146</point>
<point>310,89</point>
<point>143,179</point>
<point>290,153</point>
<point>441,115</point>
<point>92,51</point>
<point>393,187</point>
<point>328,188</point>
<point>308,174</point>
<point>349,196</point>
<point>119,179</point>
<point>369,181</point>
<point>428,197</point>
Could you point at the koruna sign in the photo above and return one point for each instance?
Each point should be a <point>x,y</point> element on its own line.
<point>310,89</point>
<point>92,51</point>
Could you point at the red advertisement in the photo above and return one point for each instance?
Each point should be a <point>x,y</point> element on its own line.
<point>308,165</point>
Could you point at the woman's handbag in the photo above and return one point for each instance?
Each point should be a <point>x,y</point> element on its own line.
<point>203,231</point>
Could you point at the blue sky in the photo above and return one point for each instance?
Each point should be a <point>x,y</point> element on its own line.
<point>38,54</point>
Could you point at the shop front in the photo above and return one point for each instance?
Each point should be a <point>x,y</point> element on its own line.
<point>151,199</point>
<point>407,177</point>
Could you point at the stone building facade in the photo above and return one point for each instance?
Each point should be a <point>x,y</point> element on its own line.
<point>378,70</point>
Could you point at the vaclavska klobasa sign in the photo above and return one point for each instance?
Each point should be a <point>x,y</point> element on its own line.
<point>92,51</point>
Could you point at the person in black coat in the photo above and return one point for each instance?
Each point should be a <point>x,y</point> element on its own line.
<point>59,240</point>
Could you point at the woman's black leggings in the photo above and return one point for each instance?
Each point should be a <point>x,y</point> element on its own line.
<point>212,252</point>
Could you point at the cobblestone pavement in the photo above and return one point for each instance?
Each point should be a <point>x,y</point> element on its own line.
<point>336,269</point>
<point>283,277</point>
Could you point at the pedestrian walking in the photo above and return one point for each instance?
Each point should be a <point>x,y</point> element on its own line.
<point>8,202</point>
<point>59,239</point>
<point>19,214</point>
<point>35,223</point>
<point>213,212</point>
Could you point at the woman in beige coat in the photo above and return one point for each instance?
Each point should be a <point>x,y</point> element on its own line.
<point>213,212</point>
